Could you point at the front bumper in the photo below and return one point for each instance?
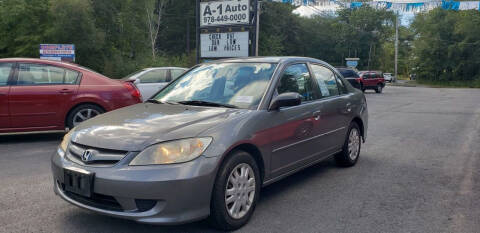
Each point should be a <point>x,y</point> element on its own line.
<point>157,194</point>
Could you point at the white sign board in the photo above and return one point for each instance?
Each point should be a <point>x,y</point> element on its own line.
<point>229,44</point>
<point>226,12</point>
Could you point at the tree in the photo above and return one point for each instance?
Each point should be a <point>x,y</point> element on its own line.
<point>154,21</point>
<point>23,26</point>
<point>447,46</point>
<point>73,23</point>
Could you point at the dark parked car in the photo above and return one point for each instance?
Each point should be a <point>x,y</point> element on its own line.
<point>39,95</point>
<point>351,76</point>
<point>207,143</point>
<point>372,80</point>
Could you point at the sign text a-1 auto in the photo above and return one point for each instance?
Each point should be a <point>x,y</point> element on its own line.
<point>226,12</point>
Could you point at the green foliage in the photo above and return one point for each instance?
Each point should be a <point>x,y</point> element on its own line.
<point>73,23</point>
<point>112,36</point>
<point>354,33</point>
<point>447,46</point>
<point>23,27</point>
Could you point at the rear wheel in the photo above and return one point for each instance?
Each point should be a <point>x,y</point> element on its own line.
<point>379,88</point>
<point>351,148</point>
<point>82,113</point>
<point>236,191</point>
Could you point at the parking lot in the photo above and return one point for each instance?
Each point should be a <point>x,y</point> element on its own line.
<point>419,171</point>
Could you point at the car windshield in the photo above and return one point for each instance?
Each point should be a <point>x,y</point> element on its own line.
<point>238,85</point>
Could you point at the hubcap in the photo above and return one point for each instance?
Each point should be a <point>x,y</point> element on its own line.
<point>84,115</point>
<point>240,191</point>
<point>353,144</point>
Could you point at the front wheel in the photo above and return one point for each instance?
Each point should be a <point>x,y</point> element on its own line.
<point>236,192</point>
<point>351,148</point>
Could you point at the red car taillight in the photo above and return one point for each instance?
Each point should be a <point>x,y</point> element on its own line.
<point>133,90</point>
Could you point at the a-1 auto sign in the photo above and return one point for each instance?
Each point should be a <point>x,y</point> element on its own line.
<point>226,12</point>
<point>229,44</point>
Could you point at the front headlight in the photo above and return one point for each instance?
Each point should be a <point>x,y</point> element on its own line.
<point>178,151</point>
<point>66,140</point>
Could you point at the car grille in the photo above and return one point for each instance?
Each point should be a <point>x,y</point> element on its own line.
<point>99,158</point>
<point>106,202</point>
<point>97,200</point>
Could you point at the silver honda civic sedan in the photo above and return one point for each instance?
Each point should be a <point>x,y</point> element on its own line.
<point>205,144</point>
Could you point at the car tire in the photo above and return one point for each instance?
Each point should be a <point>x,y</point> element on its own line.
<point>379,88</point>
<point>351,148</point>
<point>88,111</point>
<point>223,215</point>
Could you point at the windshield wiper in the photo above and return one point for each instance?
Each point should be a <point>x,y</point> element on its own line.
<point>159,102</point>
<point>154,101</point>
<point>206,103</point>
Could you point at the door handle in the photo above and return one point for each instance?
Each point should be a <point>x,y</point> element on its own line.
<point>317,115</point>
<point>65,91</point>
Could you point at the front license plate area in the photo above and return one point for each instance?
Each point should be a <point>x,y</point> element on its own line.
<point>78,182</point>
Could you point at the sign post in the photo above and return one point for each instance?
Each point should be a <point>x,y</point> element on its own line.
<point>226,28</point>
<point>352,62</point>
<point>58,52</point>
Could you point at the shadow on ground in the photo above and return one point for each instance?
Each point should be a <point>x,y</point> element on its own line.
<point>89,222</point>
<point>29,138</point>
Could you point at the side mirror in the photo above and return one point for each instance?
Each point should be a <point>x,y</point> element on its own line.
<point>285,100</point>
<point>137,81</point>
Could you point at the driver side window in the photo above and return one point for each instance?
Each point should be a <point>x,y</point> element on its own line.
<point>297,78</point>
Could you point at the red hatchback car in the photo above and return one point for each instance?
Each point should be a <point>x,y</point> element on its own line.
<point>40,95</point>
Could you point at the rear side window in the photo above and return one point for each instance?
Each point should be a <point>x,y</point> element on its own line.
<point>71,77</point>
<point>296,78</point>
<point>176,73</point>
<point>326,80</point>
<point>38,74</point>
<point>5,70</point>
<point>154,76</point>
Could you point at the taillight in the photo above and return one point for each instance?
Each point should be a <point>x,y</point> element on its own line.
<point>133,90</point>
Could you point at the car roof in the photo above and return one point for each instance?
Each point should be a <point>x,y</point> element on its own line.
<point>165,68</point>
<point>48,62</point>
<point>268,59</point>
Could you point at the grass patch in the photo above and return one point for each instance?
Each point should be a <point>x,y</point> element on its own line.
<point>450,84</point>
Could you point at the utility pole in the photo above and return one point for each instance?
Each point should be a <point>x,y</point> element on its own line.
<point>396,47</point>
<point>369,56</point>
<point>188,36</point>
<point>197,30</point>
<point>257,28</point>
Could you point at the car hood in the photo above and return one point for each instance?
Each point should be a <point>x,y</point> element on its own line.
<point>136,127</point>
